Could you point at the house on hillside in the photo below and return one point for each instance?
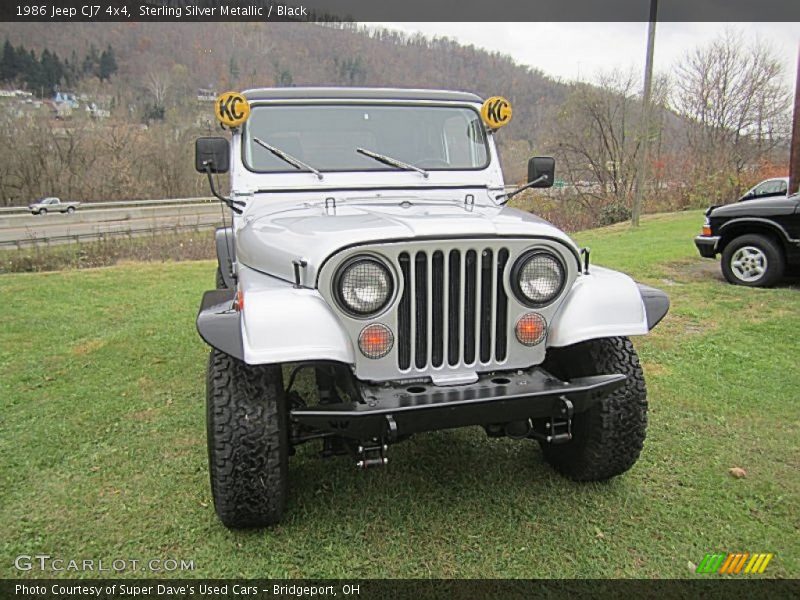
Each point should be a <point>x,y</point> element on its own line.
<point>97,113</point>
<point>61,110</point>
<point>66,98</point>
<point>207,94</point>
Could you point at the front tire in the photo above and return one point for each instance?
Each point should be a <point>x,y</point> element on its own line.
<point>247,441</point>
<point>753,260</point>
<point>607,438</point>
<point>220,280</point>
<point>42,211</point>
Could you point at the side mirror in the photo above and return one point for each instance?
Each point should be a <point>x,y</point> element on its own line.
<point>543,167</point>
<point>213,152</point>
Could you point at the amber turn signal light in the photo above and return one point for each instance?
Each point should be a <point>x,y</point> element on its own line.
<point>531,329</point>
<point>375,340</point>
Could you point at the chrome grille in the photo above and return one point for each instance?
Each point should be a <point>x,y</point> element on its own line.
<point>453,308</point>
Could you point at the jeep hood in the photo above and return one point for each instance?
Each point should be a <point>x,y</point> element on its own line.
<point>271,235</point>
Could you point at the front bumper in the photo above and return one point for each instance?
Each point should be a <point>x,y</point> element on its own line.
<point>388,411</point>
<point>707,245</point>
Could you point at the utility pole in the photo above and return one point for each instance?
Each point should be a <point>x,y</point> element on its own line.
<point>794,160</point>
<point>644,126</point>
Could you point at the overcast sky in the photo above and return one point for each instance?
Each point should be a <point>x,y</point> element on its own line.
<point>578,50</point>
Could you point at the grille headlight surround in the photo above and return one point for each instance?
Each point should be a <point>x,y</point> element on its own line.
<point>538,277</point>
<point>363,286</point>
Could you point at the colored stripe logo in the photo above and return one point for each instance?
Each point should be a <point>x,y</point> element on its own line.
<point>734,563</point>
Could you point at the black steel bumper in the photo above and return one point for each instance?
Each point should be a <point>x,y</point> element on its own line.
<point>387,411</point>
<point>707,245</point>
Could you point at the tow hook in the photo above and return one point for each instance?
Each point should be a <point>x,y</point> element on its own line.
<point>559,427</point>
<point>372,455</point>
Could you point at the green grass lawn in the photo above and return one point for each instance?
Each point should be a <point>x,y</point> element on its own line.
<point>102,445</point>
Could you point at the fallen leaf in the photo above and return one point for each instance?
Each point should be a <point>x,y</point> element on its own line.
<point>737,472</point>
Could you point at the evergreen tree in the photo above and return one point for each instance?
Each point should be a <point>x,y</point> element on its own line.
<point>108,64</point>
<point>31,72</point>
<point>9,68</point>
<point>72,70</point>
<point>51,71</point>
<point>91,64</point>
<point>233,68</point>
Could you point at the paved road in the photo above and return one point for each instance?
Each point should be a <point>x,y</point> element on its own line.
<point>23,229</point>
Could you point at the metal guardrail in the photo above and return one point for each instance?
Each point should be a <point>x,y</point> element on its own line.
<point>104,235</point>
<point>119,204</point>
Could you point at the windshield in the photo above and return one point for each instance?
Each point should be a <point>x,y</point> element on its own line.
<point>327,137</point>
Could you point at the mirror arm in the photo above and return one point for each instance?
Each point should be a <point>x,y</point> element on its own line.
<point>232,204</point>
<point>510,195</point>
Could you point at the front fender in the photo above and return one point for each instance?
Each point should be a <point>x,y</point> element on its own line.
<point>606,303</point>
<point>281,323</point>
<point>277,324</point>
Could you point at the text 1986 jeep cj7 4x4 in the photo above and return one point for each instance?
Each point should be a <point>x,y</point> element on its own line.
<point>370,243</point>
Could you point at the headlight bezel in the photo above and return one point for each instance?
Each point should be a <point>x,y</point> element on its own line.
<point>516,272</point>
<point>341,271</point>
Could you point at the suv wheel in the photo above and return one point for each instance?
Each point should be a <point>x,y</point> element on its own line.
<point>247,441</point>
<point>608,438</point>
<point>753,260</point>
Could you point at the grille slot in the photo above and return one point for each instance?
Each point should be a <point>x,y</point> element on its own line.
<point>404,315</point>
<point>421,309</point>
<point>453,308</point>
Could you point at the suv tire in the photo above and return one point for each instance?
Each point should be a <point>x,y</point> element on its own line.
<point>247,441</point>
<point>220,280</point>
<point>607,438</point>
<point>746,255</point>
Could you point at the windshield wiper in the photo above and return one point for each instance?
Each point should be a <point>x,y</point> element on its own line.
<point>287,158</point>
<point>388,160</point>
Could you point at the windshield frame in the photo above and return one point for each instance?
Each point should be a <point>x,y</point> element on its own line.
<point>246,139</point>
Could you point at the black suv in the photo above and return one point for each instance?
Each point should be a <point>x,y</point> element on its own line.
<point>758,238</point>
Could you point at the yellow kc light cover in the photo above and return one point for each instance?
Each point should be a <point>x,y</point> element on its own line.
<point>231,109</point>
<point>496,112</point>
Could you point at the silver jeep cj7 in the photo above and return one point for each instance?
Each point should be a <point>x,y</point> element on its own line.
<point>370,243</point>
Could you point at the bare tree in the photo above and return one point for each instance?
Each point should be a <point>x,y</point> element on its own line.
<point>734,97</point>
<point>158,83</point>
<point>595,137</point>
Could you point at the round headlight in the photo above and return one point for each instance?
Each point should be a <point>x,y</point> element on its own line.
<point>538,278</point>
<point>364,286</point>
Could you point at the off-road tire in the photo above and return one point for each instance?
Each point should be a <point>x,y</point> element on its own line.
<point>220,280</point>
<point>776,263</point>
<point>607,438</point>
<point>248,442</point>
